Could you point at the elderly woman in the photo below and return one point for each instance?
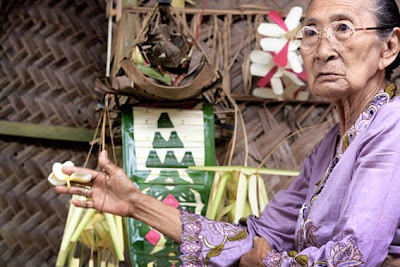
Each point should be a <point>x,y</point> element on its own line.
<point>344,208</point>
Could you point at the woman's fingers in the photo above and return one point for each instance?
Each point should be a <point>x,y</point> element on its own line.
<point>262,244</point>
<point>88,204</point>
<point>75,190</point>
<point>71,170</point>
<point>106,164</point>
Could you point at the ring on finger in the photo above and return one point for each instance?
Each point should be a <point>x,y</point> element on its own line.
<point>86,193</point>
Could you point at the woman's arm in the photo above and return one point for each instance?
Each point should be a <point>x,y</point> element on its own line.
<point>202,241</point>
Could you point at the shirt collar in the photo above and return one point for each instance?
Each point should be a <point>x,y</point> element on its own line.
<point>380,99</point>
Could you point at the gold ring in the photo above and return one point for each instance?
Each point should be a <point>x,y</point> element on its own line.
<point>86,192</point>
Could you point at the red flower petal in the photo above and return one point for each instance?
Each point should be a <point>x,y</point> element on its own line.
<point>303,75</point>
<point>276,17</point>
<point>267,78</point>
<point>282,58</point>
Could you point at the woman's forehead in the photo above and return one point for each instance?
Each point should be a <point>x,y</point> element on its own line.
<point>332,10</point>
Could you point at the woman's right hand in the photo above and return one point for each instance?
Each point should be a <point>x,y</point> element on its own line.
<point>110,191</point>
<point>256,256</point>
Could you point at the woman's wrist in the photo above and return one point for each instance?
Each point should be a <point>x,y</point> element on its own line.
<point>156,214</point>
<point>136,203</point>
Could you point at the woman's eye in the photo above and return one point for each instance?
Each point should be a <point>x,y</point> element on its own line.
<point>309,33</point>
<point>342,27</point>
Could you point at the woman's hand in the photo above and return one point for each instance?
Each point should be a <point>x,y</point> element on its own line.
<point>256,256</point>
<point>391,262</point>
<point>110,191</point>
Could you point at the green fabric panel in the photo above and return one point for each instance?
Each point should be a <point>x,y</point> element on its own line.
<point>197,176</point>
<point>139,248</point>
<point>128,143</point>
<point>209,134</point>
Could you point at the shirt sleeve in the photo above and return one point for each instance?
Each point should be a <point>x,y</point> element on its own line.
<point>277,223</point>
<point>211,243</point>
<point>369,214</point>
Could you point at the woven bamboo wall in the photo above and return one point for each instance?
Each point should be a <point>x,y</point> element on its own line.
<point>50,54</point>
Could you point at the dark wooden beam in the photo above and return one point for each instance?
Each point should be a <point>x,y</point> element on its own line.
<point>250,11</point>
<point>41,131</point>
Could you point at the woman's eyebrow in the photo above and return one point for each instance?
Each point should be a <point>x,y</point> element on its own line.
<point>342,15</point>
<point>334,17</point>
<point>310,20</point>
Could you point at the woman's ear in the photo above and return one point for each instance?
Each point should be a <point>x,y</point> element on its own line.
<point>391,49</point>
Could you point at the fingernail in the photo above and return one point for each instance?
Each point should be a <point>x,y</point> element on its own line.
<point>105,153</point>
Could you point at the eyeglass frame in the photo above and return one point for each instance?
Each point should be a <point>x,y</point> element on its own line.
<point>353,30</point>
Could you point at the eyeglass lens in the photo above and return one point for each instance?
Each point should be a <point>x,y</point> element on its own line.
<point>337,33</point>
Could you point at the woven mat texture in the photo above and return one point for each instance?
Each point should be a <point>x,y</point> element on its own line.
<point>50,54</point>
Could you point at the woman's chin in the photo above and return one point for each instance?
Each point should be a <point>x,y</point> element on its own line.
<point>330,90</point>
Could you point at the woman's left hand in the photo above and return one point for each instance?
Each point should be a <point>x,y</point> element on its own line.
<point>110,190</point>
<point>258,253</point>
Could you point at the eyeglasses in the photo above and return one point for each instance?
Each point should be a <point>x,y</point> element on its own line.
<point>337,33</point>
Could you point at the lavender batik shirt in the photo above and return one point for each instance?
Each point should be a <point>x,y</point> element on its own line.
<point>342,210</point>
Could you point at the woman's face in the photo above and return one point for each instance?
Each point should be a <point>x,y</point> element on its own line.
<point>337,71</point>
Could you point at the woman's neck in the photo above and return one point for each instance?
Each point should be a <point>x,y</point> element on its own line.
<point>350,107</point>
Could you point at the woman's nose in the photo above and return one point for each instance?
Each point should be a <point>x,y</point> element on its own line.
<point>325,50</point>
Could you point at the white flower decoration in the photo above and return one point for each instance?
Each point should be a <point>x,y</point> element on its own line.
<point>279,38</point>
<point>279,63</point>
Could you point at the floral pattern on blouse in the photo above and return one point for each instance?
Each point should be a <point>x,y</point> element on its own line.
<point>346,255</point>
<point>305,236</point>
<point>223,228</point>
<point>340,255</point>
<point>193,242</point>
<point>379,100</point>
<point>274,259</point>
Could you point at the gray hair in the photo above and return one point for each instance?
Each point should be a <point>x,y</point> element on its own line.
<point>387,15</point>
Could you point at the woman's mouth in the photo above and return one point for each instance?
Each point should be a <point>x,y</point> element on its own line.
<point>327,76</point>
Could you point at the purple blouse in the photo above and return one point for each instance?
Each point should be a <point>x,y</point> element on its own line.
<point>342,210</point>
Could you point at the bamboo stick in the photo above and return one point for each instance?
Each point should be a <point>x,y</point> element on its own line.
<point>83,223</point>
<point>114,235</point>
<point>218,197</point>
<point>247,170</point>
<point>73,218</point>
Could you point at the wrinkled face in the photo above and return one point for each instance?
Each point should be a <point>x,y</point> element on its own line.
<point>339,70</point>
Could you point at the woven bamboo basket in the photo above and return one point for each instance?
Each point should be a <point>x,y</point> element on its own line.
<point>147,89</point>
<point>143,88</point>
